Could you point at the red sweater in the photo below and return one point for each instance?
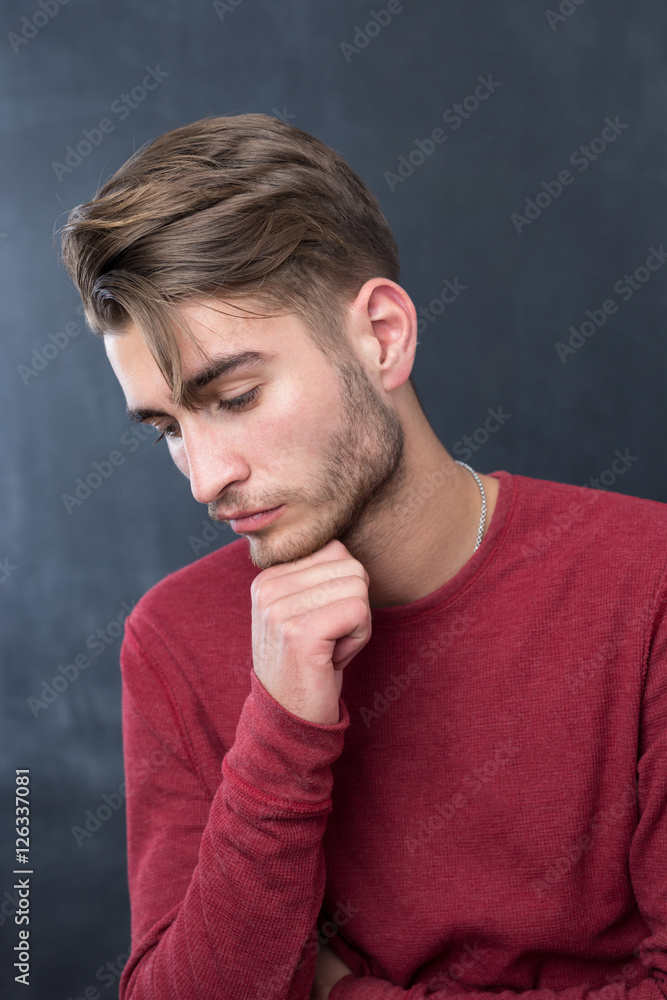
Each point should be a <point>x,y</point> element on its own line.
<point>489,815</point>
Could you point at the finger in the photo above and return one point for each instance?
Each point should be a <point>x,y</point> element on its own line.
<point>323,595</point>
<point>322,576</point>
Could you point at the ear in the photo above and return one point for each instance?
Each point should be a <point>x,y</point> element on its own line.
<point>384,328</point>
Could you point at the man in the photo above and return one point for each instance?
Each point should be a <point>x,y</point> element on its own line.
<point>484,807</point>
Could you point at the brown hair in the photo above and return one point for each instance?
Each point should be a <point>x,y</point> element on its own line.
<point>227,207</point>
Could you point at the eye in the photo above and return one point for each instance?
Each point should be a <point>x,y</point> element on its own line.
<point>235,403</point>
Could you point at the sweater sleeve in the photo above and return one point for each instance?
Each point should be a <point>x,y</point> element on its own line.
<point>647,863</point>
<point>224,891</point>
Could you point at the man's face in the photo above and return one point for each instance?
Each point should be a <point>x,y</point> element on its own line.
<point>315,436</point>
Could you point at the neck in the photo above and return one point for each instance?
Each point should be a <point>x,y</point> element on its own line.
<point>427,531</point>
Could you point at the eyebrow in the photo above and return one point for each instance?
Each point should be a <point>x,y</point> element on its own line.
<point>222,365</point>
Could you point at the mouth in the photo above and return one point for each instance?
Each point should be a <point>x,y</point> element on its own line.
<point>238,514</point>
<point>250,522</point>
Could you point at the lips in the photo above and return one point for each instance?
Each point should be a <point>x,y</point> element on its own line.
<point>244,513</point>
<point>253,522</point>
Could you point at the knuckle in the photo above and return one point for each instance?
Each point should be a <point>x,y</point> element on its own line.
<point>262,594</point>
<point>361,604</point>
<point>291,629</point>
<point>359,568</point>
<point>359,588</point>
<point>315,598</point>
<point>271,613</point>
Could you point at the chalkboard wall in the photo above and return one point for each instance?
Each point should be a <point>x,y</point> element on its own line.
<point>519,153</point>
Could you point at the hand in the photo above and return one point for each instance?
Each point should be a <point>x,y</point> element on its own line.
<point>309,619</point>
<point>329,968</point>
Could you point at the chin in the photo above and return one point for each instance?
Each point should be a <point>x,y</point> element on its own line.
<point>265,553</point>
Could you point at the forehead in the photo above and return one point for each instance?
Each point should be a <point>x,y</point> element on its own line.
<point>218,332</point>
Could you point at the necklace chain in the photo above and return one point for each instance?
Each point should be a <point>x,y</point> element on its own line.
<point>482,518</point>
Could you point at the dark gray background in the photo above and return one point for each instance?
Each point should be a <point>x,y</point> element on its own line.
<point>67,574</point>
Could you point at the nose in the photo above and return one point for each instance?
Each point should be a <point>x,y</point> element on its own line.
<point>211,464</point>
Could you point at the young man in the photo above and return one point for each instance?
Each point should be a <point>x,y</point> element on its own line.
<point>484,807</point>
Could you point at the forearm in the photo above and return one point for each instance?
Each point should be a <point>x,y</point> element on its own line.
<point>243,926</point>
<point>246,915</point>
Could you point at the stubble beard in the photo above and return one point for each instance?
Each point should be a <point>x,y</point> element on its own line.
<point>363,470</point>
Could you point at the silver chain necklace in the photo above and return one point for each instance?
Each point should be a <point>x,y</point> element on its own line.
<point>482,519</point>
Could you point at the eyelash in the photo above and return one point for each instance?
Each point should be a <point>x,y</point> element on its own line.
<point>235,403</point>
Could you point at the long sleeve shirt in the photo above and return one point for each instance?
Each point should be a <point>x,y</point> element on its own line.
<point>489,815</point>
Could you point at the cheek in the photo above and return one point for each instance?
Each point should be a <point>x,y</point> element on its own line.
<point>289,431</point>
<point>299,429</point>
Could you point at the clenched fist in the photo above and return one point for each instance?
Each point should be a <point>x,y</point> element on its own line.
<point>309,619</point>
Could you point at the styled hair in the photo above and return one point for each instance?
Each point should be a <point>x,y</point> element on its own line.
<point>229,207</point>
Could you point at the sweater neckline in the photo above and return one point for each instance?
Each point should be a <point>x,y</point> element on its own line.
<point>473,568</point>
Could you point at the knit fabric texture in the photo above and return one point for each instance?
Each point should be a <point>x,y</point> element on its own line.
<point>487,818</point>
